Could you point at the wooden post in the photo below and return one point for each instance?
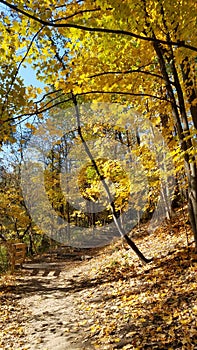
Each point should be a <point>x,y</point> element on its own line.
<point>17,253</point>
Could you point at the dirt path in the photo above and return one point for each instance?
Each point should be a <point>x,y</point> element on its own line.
<point>51,294</point>
<point>109,302</point>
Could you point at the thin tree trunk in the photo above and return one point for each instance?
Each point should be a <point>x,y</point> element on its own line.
<point>111,202</point>
<point>190,163</point>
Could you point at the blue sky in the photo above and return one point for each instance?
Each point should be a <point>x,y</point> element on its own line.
<point>29,76</point>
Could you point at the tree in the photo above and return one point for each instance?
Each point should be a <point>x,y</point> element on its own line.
<point>142,53</point>
<point>15,221</point>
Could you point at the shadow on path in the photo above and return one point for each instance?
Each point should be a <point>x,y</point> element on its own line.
<point>40,278</point>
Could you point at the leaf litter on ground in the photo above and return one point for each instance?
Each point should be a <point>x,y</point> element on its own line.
<point>126,305</point>
<point>146,307</point>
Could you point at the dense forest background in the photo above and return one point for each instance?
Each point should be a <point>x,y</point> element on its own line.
<point>111,136</point>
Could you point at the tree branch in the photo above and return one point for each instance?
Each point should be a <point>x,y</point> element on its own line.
<point>18,68</point>
<point>123,93</point>
<point>48,94</point>
<point>37,112</point>
<point>126,72</point>
<point>78,13</point>
<point>178,43</point>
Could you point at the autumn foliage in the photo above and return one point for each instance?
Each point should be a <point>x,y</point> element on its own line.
<point>138,54</point>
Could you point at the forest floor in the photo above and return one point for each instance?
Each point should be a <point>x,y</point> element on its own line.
<point>108,299</point>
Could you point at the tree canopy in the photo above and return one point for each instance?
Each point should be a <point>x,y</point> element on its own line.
<point>138,54</point>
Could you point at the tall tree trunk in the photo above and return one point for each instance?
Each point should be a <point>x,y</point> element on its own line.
<point>167,60</point>
<point>182,126</point>
<point>190,87</point>
<point>189,80</point>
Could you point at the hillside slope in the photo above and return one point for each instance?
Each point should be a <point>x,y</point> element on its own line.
<point>110,301</point>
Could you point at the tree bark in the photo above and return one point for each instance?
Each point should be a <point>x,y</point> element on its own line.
<point>190,87</point>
